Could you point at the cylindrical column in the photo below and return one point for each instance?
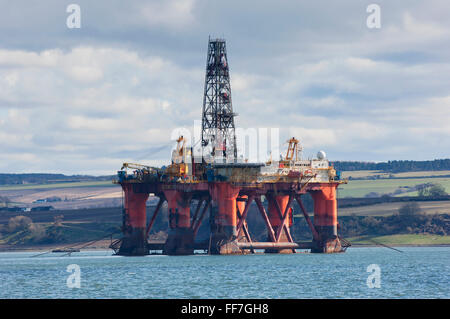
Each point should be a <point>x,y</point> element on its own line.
<point>223,227</point>
<point>224,195</point>
<point>180,239</point>
<point>134,242</point>
<point>325,211</point>
<point>325,219</point>
<point>274,216</point>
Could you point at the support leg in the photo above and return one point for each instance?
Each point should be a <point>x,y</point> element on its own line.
<point>224,218</point>
<point>325,220</point>
<point>180,240</point>
<point>134,241</point>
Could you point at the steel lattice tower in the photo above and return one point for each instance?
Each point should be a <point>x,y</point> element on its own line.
<point>218,130</point>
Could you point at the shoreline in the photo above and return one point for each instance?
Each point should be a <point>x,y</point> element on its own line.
<point>400,245</point>
<point>102,246</point>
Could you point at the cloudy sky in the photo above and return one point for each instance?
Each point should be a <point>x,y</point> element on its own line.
<point>85,100</point>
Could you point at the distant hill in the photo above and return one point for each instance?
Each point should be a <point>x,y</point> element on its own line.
<point>390,166</point>
<point>43,178</point>
<point>394,166</point>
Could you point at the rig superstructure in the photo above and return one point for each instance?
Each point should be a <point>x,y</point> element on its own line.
<point>218,182</point>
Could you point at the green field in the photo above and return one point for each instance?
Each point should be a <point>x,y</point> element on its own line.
<point>403,239</point>
<point>360,188</point>
<point>58,185</point>
<point>387,209</point>
<point>361,174</point>
<point>422,174</point>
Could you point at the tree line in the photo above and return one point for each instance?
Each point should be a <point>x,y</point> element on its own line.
<point>394,166</point>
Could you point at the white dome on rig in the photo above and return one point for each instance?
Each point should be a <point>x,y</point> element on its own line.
<point>321,155</point>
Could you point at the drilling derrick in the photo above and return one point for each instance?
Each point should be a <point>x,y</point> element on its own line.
<point>226,189</point>
<point>218,130</point>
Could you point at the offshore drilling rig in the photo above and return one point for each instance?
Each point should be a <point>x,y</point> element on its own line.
<point>218,182</point>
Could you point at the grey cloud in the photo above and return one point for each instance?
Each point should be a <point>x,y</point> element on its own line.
<point>119,85</point>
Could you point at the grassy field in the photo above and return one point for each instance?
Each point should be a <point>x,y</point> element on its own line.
<point>57,185</point>
<point>386,209</point>
<point>422,174</point>
<point>360,188</point>
<point>360,174</point>
<point>403,239</point>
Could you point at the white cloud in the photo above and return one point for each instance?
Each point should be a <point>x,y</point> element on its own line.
<point>20,58</point>
<point>421,30</point>
<point>81,122</point>
<point>314,137</point>
<point>172,14</point>
<point>116,89</point>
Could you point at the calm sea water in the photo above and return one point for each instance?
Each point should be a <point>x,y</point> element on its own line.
<point>415,273</point>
